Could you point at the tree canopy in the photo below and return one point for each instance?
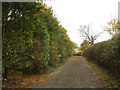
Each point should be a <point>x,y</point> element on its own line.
<point>113,27</point>
<point>84,45</point>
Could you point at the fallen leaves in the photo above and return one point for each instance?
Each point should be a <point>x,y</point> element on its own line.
<point>19,80</point>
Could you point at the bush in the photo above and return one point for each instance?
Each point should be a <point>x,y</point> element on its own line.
<point>106,54</point>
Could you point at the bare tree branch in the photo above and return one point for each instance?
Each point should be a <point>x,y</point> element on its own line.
<point>85,31</point>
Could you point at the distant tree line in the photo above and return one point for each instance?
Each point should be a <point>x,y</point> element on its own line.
<point>33,40</point>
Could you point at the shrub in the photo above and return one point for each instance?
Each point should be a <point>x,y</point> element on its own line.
<point>106,54</point>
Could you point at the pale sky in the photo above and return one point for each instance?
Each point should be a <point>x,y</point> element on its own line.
<point>73,13</point>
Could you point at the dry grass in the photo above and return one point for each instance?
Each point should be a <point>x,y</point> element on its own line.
<point>106,78</point>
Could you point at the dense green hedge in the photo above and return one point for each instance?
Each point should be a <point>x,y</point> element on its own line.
<point>32,38</point>
<point>106,54</point>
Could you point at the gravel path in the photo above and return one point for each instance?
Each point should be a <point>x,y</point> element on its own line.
<point>75,73</point>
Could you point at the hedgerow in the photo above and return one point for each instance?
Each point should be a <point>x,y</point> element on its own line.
<point>32,38</point>
<point>106,54</point>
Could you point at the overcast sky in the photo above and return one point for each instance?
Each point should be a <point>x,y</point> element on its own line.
<point>73,13</point>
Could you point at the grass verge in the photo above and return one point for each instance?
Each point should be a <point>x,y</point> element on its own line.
<point>107,79</point>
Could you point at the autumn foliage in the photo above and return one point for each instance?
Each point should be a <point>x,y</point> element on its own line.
<point>33,40</point>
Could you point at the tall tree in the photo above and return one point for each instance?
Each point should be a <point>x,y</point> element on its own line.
<point>86,32</point>
<point>113,27</point>
<point>84,45</point>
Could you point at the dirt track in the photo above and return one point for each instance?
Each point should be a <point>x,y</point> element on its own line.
<point>75,73</point>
